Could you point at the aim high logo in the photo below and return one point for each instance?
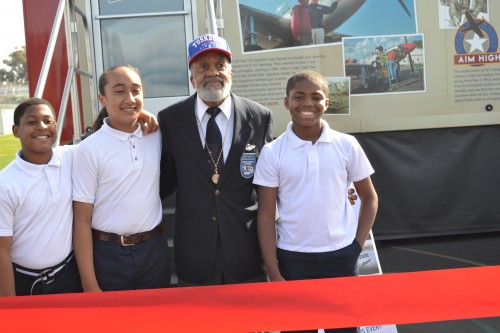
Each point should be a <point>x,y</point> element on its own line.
<point>476,43</point>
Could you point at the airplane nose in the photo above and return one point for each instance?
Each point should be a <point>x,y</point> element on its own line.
<point>409,47</point>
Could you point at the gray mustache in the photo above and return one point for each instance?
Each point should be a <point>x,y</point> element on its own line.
<point>212,80</point>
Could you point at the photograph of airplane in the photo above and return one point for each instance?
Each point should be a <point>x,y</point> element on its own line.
<point>452,13</point>
<point>389,64</point>
<point>266,24</point>
<point>339,96</point>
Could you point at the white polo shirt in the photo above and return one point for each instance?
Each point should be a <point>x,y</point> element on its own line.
<point>36,209</point>
<point>119,173</point>
<point>312,182</point>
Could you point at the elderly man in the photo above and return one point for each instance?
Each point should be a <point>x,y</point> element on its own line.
<point>210,146</point>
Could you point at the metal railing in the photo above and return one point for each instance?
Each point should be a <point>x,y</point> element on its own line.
<point>68,10</point>
<point>215,23</point>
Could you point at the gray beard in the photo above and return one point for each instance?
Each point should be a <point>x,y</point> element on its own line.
<point>214,95</point>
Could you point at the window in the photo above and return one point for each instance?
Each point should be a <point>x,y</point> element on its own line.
<point>151,35</point>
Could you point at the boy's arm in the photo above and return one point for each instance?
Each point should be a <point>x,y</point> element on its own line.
<point>368,209</point>
<point>82,244</point>
<point>7,286</point>
<point>266,229</point>
<point>295,23</point>
<point>329,10</point>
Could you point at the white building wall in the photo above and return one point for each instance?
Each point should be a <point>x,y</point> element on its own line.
<point>6,116</point>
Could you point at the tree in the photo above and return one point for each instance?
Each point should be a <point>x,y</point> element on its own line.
<point>5,76</point>
<point>18,69</point>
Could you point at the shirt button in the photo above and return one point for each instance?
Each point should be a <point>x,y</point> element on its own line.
<point>136,158</point>
<point>214,219</point>
<point>217,192</point>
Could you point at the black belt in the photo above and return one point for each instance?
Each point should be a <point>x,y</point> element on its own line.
<point>45,276</point>
<point>127,240</point>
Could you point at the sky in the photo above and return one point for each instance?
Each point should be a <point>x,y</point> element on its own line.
<point>11,27</point>
<point>386,15</point>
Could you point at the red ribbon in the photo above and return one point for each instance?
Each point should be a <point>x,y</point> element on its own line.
<point>343,302</point>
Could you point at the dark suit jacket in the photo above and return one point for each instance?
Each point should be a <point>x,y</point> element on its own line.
<point>203,209</point>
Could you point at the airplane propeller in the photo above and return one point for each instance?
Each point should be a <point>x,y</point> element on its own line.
<point>409,58</point>
<point>405,8</point>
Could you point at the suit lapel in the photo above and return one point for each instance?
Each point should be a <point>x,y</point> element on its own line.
<point>188,130</point>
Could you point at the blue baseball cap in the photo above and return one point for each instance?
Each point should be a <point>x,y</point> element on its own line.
<point>205,43</point>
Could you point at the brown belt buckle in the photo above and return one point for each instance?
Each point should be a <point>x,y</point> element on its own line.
<point>122,241</point>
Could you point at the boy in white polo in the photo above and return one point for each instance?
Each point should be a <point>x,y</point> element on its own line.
<point>119,244</point>
<point>306,172</point>
<point>36,218</point>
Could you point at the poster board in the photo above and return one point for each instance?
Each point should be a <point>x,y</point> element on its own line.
<point>452,91</point>
<point>369,264</point>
